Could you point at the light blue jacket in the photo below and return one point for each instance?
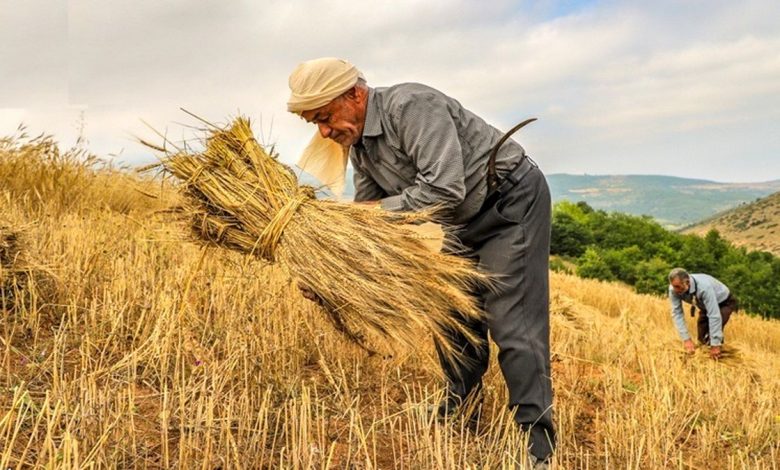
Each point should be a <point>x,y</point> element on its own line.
<point>710,292</point>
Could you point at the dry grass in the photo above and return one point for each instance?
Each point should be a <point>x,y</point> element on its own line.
<point>153,353</point>
<point>50,181</point>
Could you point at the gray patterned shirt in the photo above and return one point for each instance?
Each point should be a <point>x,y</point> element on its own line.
<point>421,148</point>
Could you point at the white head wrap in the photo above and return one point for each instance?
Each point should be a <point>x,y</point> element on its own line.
<point>314,84</point>
<point>317,82</point>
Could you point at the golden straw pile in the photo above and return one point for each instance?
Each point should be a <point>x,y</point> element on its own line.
<point>373,275</point>
<point>12,275</point>
<point>21,281</point>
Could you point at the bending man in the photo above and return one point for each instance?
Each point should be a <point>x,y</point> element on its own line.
<point>412,147</point>
<point>711,297</point>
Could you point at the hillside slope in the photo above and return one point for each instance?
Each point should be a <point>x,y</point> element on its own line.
<point>123,345</point>
<point>755,225</point>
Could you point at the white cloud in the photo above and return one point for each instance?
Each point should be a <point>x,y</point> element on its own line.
<point>619,87</point>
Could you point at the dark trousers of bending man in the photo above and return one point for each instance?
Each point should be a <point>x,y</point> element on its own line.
<point>510,238</point>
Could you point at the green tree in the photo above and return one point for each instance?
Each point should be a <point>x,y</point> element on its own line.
<point>592,265</point>
<point>623,262</point>
<point>652,276</point>
<point>569,237</point>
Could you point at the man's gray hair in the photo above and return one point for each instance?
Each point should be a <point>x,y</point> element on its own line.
<point>679,273</point>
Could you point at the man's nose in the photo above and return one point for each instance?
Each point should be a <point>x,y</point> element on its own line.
<point>325,130</point>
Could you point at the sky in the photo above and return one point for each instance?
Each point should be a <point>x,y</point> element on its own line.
<point>685,88</point>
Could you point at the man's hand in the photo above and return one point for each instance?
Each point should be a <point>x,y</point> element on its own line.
<point>690,348</point>
<point>715,352</point>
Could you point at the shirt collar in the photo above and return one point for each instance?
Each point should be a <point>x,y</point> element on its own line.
<point>692,287</point>
<point>373,125</point>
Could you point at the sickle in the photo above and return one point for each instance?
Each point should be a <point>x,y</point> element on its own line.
<point>492,177</point>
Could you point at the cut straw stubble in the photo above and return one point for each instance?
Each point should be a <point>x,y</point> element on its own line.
<point>374,276</point>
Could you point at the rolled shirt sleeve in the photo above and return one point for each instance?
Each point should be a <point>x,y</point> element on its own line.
<point>429,136</point>
<point>678,315</point>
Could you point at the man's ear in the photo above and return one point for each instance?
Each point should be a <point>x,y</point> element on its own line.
<point>353,94</point>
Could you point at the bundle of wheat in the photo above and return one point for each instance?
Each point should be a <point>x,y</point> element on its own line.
<point>9,246</point>
<point>13,277</point>
<point>373,275</point>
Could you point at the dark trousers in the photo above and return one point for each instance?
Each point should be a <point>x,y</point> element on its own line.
<point>727,307</point>
<point>511,239</point>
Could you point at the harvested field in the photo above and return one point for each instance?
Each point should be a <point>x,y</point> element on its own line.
<point>153,352</point>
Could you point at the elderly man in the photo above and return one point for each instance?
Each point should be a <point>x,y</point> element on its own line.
<point>412,147</point>
<point>715,303</point>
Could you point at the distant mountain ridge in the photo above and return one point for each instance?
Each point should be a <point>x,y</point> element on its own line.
<point>673,201</point>
<point>755,225</point>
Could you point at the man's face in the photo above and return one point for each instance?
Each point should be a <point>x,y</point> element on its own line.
<point>342,119</point>
<point>679,286</point>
